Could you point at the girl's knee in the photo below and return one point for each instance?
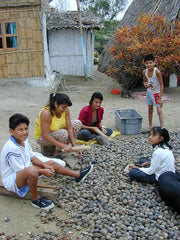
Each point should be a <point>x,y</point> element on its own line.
<point>109,131</point>
<point>84,135</point>
<point>61,135</point>
<point>143,159</point>
<point>76,124</point>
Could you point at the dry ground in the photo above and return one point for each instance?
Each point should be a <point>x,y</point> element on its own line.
<point>24,96</point>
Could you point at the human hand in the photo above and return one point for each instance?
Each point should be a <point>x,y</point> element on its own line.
<point>104,130</point>
<point>145,164</point>
<point>48,172</point>
<point>79,154</point>
<point>67,148</point>
<point>146,85</point>
<point>95,129</point>
<point>160,102</point>
<point>50,168</point>
<point>133,166</point>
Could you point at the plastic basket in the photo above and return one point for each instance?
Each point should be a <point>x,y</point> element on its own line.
<point>128,121</point>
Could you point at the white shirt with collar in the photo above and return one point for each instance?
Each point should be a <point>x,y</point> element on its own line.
<point>14,158</point>
<point>162,161</point>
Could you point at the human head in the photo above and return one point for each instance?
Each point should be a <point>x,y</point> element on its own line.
<point>163,136</point>
<point>19,128</point>
<point>94,96</point>
<point>149,57</point>
<point>17,119</point>
<point>59,98</point>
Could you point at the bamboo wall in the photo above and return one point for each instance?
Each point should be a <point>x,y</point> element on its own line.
<point>27,60</point>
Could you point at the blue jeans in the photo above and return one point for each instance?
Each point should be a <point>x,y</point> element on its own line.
<point>140,176</point>
<point>86,135</point>
<point>169,188</point>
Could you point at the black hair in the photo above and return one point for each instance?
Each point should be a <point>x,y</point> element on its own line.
<point>96,95</point>
<point>163,132</point>
<point>149,57</point>
<point>60,98</point>
<point>17,119</point>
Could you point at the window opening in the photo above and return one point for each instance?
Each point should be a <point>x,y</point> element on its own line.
<point>1,44</point>
<point>11,35</point>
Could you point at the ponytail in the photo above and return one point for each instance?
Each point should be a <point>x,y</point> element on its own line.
<point>60,98</point>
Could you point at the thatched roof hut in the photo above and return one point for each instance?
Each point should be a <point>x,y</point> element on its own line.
<point>65,44</point>
<point>69,19</point>
<point>168,8</point>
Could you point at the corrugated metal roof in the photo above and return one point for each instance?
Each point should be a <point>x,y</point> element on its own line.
<point>70,19</point>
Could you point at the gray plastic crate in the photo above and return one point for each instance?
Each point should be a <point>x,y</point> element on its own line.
<point>128,121</point>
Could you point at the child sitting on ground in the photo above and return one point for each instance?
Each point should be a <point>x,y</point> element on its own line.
<point>162,158</point>
<point>20,168</point>
<point>161,169</point>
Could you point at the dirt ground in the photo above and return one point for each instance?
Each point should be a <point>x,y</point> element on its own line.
<point>28,96</point>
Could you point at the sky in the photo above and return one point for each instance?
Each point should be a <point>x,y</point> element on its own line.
<point>72,5</point>
<point>121,14</point>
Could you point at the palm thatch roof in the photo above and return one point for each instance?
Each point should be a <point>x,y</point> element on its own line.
<point>69,19</point>
<point>168,8</point>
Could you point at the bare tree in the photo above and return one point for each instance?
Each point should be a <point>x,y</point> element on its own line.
<point>60,5</point>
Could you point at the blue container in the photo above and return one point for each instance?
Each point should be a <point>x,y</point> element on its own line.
<point>128,121</point>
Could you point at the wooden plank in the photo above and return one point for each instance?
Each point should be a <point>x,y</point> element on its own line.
<point>43,192</point>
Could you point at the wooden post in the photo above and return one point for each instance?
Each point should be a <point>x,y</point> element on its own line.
<point>82,39</point>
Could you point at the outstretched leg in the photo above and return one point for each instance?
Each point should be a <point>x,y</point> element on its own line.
<point>62,170</point>
<point>79,176</point>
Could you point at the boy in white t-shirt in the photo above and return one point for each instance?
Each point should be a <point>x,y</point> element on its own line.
<point>20,168</point>
<point>153,82</point>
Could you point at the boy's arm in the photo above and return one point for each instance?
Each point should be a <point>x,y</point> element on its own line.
<point>159,76</point>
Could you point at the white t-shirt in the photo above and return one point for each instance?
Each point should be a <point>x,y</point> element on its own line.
<point>14,158</point>
<point>153,82</point>
<point>162,161</point>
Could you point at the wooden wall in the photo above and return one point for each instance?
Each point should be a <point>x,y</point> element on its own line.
<point>27,60</point>
<point>65,51</point>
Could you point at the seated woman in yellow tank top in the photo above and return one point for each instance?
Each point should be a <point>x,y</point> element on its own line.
<point>54,126</point>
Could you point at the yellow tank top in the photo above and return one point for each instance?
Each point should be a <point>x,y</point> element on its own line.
<point>56,123</point>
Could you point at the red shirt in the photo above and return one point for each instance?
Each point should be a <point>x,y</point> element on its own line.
<point>85,115</point>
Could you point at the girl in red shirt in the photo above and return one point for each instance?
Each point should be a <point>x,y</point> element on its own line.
<point>91,117</point>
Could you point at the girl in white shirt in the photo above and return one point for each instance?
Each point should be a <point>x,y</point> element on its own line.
<point>162,158</point>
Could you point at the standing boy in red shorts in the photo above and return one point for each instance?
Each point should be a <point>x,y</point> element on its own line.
<point>153,82</point>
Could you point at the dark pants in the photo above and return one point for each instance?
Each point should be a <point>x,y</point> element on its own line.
<point>86,135</point>
<point>141,176</point>
<point>169,189</point>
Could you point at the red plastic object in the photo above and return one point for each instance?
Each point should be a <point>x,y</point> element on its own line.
<point>115,91</point>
